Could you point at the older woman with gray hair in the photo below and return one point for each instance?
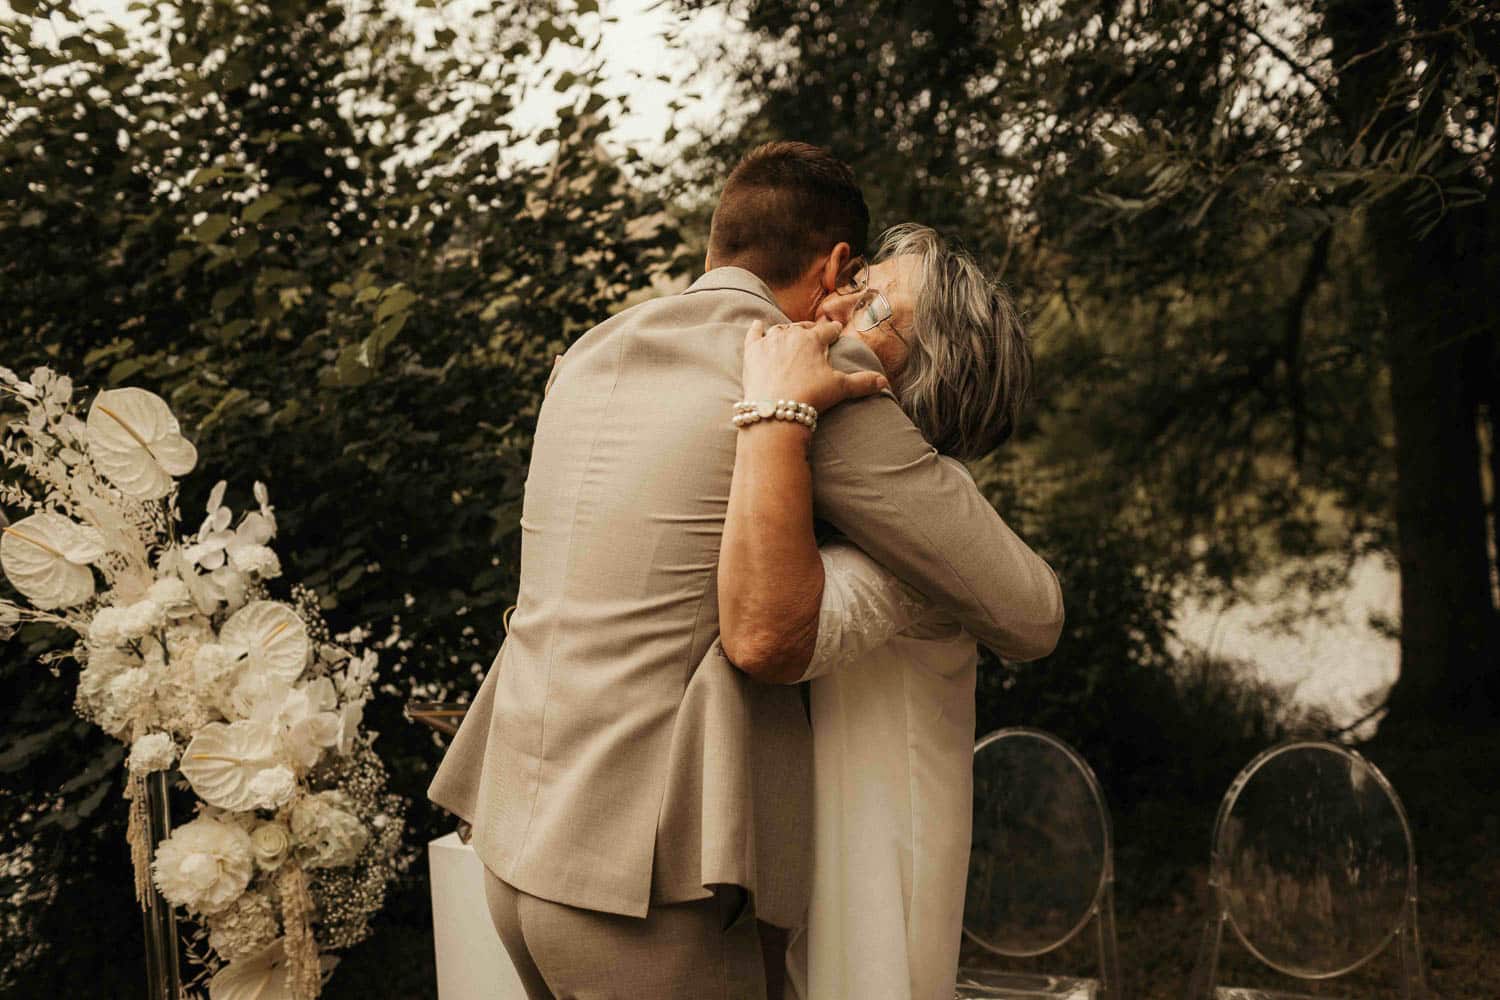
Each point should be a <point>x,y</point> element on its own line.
<point>892,680</point>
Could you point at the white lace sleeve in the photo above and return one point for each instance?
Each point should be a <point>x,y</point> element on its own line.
<point>864,605</point>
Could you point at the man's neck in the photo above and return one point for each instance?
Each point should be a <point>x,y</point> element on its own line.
<point>799,302</point>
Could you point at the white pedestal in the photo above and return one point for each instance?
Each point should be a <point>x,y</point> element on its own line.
<point>472,964</point>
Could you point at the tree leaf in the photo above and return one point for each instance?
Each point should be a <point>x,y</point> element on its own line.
<point>211,228</point>
<point>257,209</point>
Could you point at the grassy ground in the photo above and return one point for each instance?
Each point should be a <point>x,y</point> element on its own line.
<point>1448,787</point>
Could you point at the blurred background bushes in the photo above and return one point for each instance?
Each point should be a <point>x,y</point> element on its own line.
<point>1256,245</point>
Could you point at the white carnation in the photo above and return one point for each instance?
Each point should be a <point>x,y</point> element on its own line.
<point>257,560</point>
<point>204,865</point>
<point>213,664</point>
<point>327,830</point>
<point>107,629</point>
<point>184,639</point>
<point>273,787</point>
<point>152,752</point>
<point>125,696</point>
<point>103,666</point>
<point>171,595</point>
<point>243,928</point>
<point>140,618</point>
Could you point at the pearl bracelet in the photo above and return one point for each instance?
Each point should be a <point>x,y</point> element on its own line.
<point>747,413</point>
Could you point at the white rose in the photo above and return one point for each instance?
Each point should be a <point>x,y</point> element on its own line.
<point>152,752</point>
<point>271,842</point>
<point>273,787</point>
<point>204,865</point>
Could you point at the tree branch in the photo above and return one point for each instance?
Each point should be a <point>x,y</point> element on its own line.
<point>1304,71</point>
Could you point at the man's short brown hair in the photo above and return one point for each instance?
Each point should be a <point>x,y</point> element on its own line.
<point>784,205</point>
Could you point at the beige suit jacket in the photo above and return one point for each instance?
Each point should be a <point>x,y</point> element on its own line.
<point>613,757</point>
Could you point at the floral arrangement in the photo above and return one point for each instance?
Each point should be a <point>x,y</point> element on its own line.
<point>187,659</point>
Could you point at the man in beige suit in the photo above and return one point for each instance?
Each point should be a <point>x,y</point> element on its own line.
<point>637,801</point>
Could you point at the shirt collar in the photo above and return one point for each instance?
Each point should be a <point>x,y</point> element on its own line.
<point>733,279</point>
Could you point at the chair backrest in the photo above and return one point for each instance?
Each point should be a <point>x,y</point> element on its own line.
<point>1313,865</point>
<point>1042,863</point>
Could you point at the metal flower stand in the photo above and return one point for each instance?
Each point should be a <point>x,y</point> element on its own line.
<point>163,972</point>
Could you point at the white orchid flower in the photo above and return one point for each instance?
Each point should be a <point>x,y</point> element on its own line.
<point>350,717</point>
<point>298,716</point>
<point>136,442</point>
<point>47,557</point>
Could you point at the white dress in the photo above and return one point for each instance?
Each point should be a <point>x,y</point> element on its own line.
<point>893,743</point>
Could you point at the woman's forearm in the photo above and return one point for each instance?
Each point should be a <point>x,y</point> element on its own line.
<point>770,573</point>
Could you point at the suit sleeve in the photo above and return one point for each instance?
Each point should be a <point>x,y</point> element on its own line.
<point>922,517</point>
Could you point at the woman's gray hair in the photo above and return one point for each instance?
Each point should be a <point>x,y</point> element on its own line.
<point>968,376</point>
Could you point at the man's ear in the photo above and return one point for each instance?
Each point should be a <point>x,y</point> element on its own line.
<point>837,258</point>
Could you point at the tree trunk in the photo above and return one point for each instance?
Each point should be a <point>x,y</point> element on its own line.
<point>1438,378</point>
<point>1438,362</point>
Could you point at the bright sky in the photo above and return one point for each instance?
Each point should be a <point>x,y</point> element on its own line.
<point>632,50</point>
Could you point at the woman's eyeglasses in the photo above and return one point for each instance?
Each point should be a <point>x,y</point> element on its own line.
<point>871,308</point>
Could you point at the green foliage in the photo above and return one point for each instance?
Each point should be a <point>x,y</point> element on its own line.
<point>321,241</point>
<point>1238,229</point>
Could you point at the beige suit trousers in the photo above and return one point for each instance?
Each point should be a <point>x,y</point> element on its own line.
<point>701,950</point>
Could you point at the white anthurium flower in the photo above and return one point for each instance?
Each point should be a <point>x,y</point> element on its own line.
<point>270,636</point>
<point>47,557</point>
<point>224,759</point>
<point>262,976</point>
<point>136,442</point>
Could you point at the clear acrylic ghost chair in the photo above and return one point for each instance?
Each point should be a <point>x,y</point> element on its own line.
<point>1041,868</point>
<point>1313,868</point>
